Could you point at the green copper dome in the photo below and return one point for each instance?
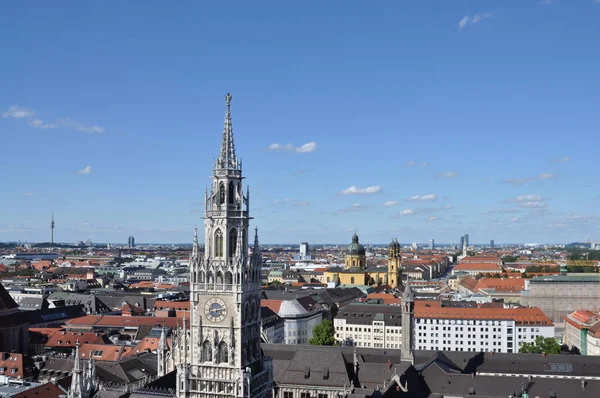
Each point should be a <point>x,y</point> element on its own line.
<point>355,248</point>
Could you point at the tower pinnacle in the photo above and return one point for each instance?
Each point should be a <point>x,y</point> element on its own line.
<point>227,158</point>
<point>52,229</point>
<point>195,247</point>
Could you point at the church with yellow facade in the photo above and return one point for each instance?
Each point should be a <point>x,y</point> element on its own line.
<point>356,272</point>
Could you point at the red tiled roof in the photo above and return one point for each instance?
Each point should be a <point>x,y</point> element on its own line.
<point>121,321</point>
<point>46,390</point>
<point>104,352</point>
<point>388,298</point>
<point>16,365</point>
<point>273,305</point>
<point>522,316</point>
<point>62,338</point>
<point>484,267</point>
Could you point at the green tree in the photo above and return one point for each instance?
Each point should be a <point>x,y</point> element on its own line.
<point>541,345</point>
<point>510,259</point>
<point>323,334</point>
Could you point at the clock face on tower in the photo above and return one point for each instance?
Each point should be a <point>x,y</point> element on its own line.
<point>215,309</point>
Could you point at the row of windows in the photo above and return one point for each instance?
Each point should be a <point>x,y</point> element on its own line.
<point>368,329</point>
<point>457,322</point>
<point>289,394</point>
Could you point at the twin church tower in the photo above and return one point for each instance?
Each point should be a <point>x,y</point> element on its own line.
<point>220,353</point>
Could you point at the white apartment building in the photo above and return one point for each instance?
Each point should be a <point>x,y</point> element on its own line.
<point>300,316</point>
<point>369,325</point>
<point>582,330</point>
<point>479,329</point>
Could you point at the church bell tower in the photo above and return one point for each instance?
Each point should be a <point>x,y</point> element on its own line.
<point>223,353</point>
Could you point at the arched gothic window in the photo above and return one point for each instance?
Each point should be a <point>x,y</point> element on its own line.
<point>232,241</point>
<point>230,193</point>
<point>223,355</point>
<point>218,243</point>
<point>228,280</point>
<point>202,277</point>
<point>219,280</point>
<point>206,351</point>
<point>221,193</point>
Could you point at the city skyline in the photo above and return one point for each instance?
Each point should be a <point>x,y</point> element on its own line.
<point>388,144</point>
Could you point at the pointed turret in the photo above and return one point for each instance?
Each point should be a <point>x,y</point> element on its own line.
<point>196,246</point>
<point>161,353</point>
<point>78,388</point>
<point>227,158</point>
<point>408,296</point>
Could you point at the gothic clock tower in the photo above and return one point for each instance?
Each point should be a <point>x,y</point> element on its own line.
<point>222,345</point>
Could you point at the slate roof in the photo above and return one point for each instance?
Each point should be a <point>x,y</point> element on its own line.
<point>365,314</point>
<point>6,301</point>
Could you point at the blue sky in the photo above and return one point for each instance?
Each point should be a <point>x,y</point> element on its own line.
<point>424,120</point>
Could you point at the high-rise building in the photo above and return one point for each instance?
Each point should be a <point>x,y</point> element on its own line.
<point>131,242</point>
<point>222,352</point>
<point>304,251</point>
<point>462,242</point>
<point>492,244</point>
<point>466,242</point>
<point>431,244</point>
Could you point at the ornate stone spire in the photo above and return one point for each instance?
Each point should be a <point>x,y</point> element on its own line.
<point>408,295</point>
<point>196,246</point>
<point>227,158</point>
<point>77,389</point>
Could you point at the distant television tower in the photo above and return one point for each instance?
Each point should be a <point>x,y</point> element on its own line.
<point>52,229</point>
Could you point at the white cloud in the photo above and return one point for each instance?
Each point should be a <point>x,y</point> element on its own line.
<point>39,124</point>
<point>517,181</point>
<point>85,170</point>
<point>528,198</point>
<point>565,159</point>
<point>532,204</point>
<point>390,203</point>
<point>448,174</point>
<point>546,176</point>
<point>407,212</point>
<point>424,198</point>
<point>412,163</point>
<point>306,148</point>
<point>463,22</point>
<point>16,112</point>
<point>353,190</point>
<point>472,20</point>
<point>292,202</point>
<point>356,207</point>
<point>29,193</point>
<point>84,128</point>
<point>521,181</point>
<point>433,218</point>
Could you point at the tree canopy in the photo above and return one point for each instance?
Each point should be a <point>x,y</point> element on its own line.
<point>323,334</point>
<point>541,345</point>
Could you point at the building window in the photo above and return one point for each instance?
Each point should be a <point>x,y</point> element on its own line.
<point>221,193</point>
<point>218,243</point>
<point>230,193</point>
<point>288,394</point>
<point>232,242</point>
<point>223,355</point>
<point>206,351</point>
